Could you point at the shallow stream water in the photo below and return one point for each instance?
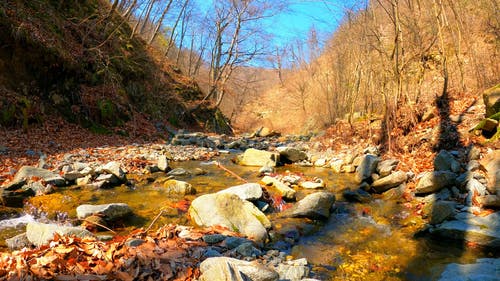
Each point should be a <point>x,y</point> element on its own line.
<point>372,241</point>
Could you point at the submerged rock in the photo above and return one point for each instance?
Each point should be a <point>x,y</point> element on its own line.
<point>358,195</point>
<point>178,187</point>
<point>230,211</point>
<point>229,269</point>
<point>482,270</point>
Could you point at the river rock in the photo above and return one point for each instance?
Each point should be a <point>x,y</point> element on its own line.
<point>285,191</point>
<point>178,187</point>
<point>248,250</point>
<point>313,206</point>
<point>435,181</point>
<point>484,231</point>
<point>487,269</point>
<point>106,180</point>
<point>40,233</point>
<point>491,163</point>
<point>18,242</point>
<point>230,211</point>
<point>439,211</point>
<point>291,154</point>
<point>72,175</point>
<point>384,168</point>
<point>260,158</point>
<point>394,193</point>
<point>109,211</point>
<point>390,181</point>
<point>473,186</point>
<point>247,191</point>
<point>265,132</point>
<point>336,165</point>
<point>445,161</point>
<point>27,172</point>
<point>178,172</point>
<point>162,163</point>
<point>358,195</point>
<point>294,270</point>
<point>229,269</point>
<point>312,184</point>
<point>491,99</point>
<point>489,201</point>
<point>321,162</point>
<point>367,167</point>
<point>114,168</point>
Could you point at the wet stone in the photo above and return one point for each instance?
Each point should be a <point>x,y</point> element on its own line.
<point>213,238</point>
<point>134,242</point>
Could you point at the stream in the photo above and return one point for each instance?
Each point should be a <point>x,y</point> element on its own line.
<point>369,241</point>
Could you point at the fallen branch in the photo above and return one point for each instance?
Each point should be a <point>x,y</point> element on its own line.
<point>154,221</point>
<point>218,164</point>
<point>98,224</point>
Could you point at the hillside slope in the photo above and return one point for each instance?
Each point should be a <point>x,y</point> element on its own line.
<point>76,60</point>
<point>388,63</point>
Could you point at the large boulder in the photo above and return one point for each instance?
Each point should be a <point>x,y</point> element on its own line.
<point>27,173</point>
<point>484,231</point>
<point>285,191</point>
<point>230,211</point>
<point>40,233</point>
<point>483,270</point>
<point>229,269</point>
<point>247,191</point>
<point>110,212</point>
<point>313,206</point>
<point>260,158</point>
<point>491,99</point>
<point>390,181</point>
<point>435,181</point>
<point>367,167</point>
<point>291,154</point>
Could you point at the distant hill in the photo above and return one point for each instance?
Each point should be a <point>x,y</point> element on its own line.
<point>76,60</point>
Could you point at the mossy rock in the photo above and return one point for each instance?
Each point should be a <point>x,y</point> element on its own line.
<point>492,100</point>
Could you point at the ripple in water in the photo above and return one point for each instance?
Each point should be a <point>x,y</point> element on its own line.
<point>15,222</point>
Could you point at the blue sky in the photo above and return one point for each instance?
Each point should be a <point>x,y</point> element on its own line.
<point>299,17</point>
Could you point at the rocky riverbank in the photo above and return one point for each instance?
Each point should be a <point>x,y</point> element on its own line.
<point>454,197</point>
